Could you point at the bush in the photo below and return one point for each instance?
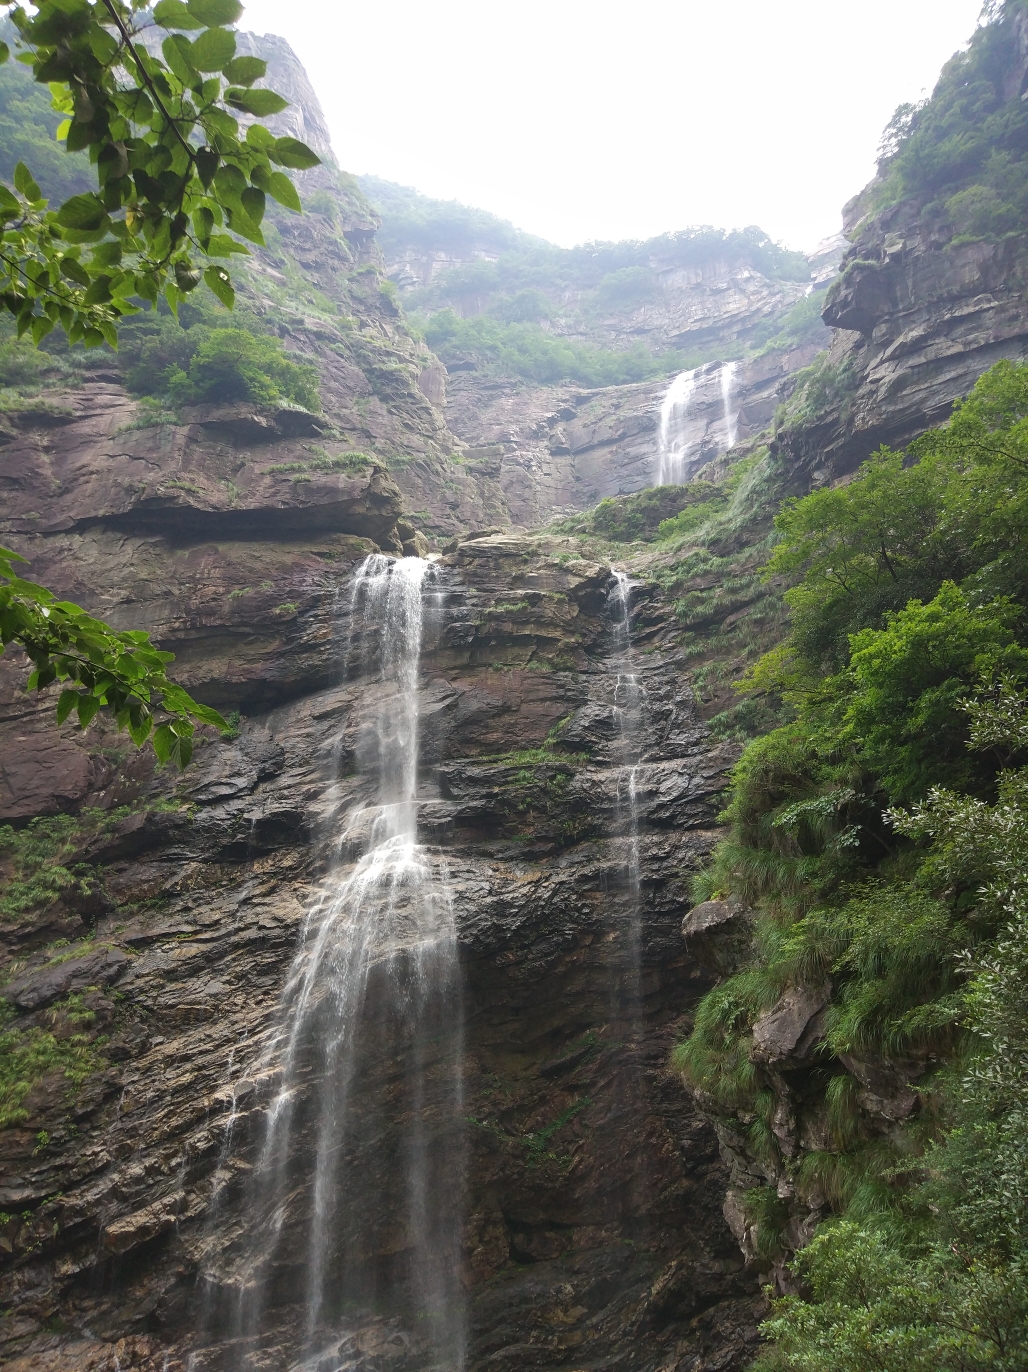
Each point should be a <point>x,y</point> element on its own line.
<point>526,350</point>
<point>231,364</point>
<point>196,360</point>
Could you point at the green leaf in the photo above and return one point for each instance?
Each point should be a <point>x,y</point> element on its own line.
<point>206,164</point>
<point>290,152</point>
<point>5,53</point>
<point>74,271</point>
<point>172,14</point>
<point>280,188</point>
<point>23,182</point>
<point>178,55</point>
<point>221,245</point>
<point>65,704</point>
<point>187,278</point>
<point>229,182</point>
<point>220,283</point>
<point>253,203</point>
<point>213,49</point>
<point>163,742</point>
<point>107,254</point>
<point>99,292</point>
<point>86,709</point>
<point>260,103</point>
<point>241,223</point>
<point>181,752</point>
<point>10,205</point>
<point>84,212</point>
<point>216,11</point>
<point>244,71</point>
<point>206,715</point>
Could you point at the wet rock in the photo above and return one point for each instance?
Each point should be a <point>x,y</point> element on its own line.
<point>792,1026</point>
<point>37,989</point>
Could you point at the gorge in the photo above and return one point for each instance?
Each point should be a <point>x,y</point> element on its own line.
<point>353,1046</point>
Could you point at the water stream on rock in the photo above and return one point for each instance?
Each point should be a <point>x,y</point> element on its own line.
<point>731,416</point>
<point>362,1133</point>
<point>628,698</point>
<point>673,445</point>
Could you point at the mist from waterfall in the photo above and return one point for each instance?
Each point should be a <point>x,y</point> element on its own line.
<point>731,416</point>
<point>358,1180</point>
<point>674,448</point>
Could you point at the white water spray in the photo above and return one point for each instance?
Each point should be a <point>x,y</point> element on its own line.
<point>674,447</point>
<point>362,1150</point>
<point>731,416</point>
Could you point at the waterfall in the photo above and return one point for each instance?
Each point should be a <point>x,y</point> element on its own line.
<point>673,446</point>
<point>357,1185</point>
<point>731,416</point>
<point>628,697</point>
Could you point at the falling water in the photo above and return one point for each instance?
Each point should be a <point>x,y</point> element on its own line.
<point>628,696</point>
<point>674,448</point>
<point>731,416</point>
<point>357,1184</point>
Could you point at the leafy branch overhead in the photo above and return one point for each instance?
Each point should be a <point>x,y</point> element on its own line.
<point>100,666</point>
<point>179,181</point>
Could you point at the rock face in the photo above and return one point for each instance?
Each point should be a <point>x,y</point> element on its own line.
<point>555,450</point>
<point>917,319</point>
<point>593,1231</point>
<point>918,313</point>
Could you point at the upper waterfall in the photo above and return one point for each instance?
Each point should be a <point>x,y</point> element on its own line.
<point>674,447</point>
<point>699,420</point>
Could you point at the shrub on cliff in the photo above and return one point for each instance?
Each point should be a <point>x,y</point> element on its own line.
<point>908,650</point>
<point>966,147</point>
<point>232,364</point>
<point>206,361</point>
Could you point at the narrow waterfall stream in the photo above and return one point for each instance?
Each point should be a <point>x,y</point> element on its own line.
<point>731,416</point>
<point>628,698</point>
<point>362,1133</point>
<point>673,449</point>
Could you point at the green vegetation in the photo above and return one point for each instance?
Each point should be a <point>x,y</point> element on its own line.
<point>488,310</point>
<point>800,325</point>
<point>413,220</point>
<point>28,1056</point>
<point>102,667</point>
<point>28,129</point>
<point>963,153</point>
<point>880,836</point>
<point>657,512</point>
<point>34,859</point>
<point>529,351</point>
<point>194,359</point>
<point>177,187</point>
<point>171,169</point>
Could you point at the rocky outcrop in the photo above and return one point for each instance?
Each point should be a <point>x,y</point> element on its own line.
<point>921,307</point>
<point>594,1188</point>
<point>918,318</point>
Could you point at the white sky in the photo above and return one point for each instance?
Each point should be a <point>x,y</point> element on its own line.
<point>583,121</point>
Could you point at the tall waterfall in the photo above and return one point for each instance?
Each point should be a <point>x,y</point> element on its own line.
<point>362,1135</point>
<point>628,699</point>
<point>674,448</point>
<point>731,416</point>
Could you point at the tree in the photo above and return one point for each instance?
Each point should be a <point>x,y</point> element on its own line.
<point>179,183</point>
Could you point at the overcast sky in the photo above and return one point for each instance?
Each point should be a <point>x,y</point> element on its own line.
<point>582,121</point>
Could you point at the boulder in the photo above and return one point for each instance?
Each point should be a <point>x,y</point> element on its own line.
<point>790,1027</point>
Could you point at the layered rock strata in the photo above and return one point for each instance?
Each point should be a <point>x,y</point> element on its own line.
<point>593,1235</point>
